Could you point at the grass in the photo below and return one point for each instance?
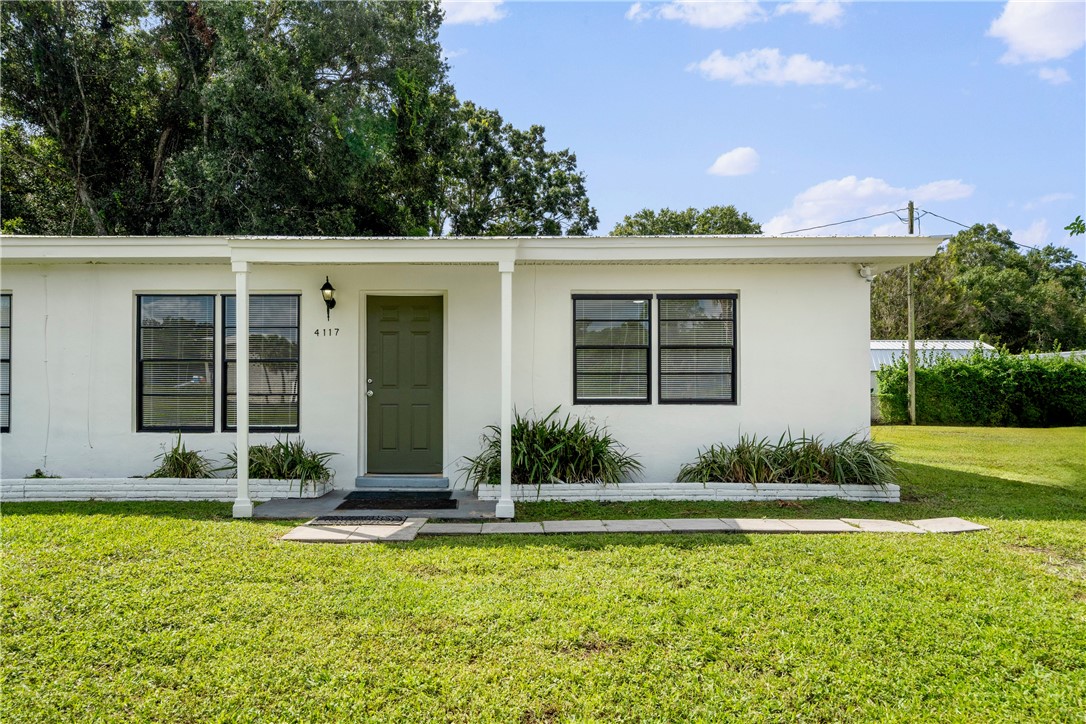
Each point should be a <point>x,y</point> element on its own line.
<point>174,612</point>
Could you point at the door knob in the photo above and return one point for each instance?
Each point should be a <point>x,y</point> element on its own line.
<point>369,393</point>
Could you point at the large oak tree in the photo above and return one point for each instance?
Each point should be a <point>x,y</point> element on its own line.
<point>252,117</point>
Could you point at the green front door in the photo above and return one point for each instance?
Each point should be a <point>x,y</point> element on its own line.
<point>403,384</point>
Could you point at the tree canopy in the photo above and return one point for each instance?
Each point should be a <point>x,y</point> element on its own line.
<point>250,117</point>
<point>713,220</point>
<point>981,286</point>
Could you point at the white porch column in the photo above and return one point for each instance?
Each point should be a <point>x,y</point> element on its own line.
<point>243,506</point>
<point>504,508</point>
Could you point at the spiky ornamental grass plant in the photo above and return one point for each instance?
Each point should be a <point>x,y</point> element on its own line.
<point>852,461</point>
<point>179,462</point>
<point>553,450</point>
<point>286,460</point>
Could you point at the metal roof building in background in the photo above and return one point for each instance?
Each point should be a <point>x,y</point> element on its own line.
<point>885,351</point>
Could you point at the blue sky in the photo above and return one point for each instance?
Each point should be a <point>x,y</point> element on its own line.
<point>799,114</point>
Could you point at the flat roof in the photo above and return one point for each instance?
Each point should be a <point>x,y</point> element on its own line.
<point>880,252</point>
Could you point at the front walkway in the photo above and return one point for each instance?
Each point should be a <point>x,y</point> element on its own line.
<point>361,531</point>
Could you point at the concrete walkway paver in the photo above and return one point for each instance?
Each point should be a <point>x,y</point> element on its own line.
<point>869,525</point>
<point>822,526</point>
<point>761,525</point>
<point>573,526</point>
<point>701,525</point>
<point>405,531</point>
<point>636,526</point>
<point>452,529</point>
<point>529,528</point>
<point>948,525</point>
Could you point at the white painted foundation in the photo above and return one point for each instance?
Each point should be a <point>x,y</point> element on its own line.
<point>625,492</point>
<point>114,489</point>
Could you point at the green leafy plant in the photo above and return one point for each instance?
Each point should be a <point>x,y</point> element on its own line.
<point>989,390</point>
<point>852,461</point>
<point>179,462</point>
<point>40,474</point>
<point>553,450</point>
<point>286,460</point>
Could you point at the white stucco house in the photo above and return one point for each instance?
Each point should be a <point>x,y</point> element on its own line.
<point>111,345</point>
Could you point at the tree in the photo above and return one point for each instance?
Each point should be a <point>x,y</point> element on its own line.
<point>719,220</point>
<point>253,117</point>
<point>980,286</point>
<point>326,118</point>
<point>1076,227</point>
<point>503,181</point>
<point>83,75</point>
<point>36,192</point>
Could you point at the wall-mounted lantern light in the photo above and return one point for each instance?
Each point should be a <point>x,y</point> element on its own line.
<point>329,294</point>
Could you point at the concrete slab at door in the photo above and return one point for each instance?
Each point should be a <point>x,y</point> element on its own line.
<point>404,364</point>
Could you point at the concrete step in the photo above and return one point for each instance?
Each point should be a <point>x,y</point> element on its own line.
<point>401,482</point>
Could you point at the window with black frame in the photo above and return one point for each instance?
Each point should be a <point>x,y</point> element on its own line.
<point>5,363</point>
<point>697,348</point>
<point>273,366</point>
<point>175,362</point>
<point>611,338</point>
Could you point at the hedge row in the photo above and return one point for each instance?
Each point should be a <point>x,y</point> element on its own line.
<point>999,390</point>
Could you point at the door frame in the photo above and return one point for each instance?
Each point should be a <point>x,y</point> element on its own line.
<point>363,400</point>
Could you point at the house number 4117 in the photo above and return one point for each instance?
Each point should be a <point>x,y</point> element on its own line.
<point>327,332</point>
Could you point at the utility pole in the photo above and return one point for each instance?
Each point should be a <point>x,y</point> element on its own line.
<point>912,329</point>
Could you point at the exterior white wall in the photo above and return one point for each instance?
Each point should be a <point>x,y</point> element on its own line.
<point>802,354</point>
<point>73,408</point>
<point>73,357</point>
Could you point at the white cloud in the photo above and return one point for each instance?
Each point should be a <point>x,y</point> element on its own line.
<point>851,197</point>
<point>1055,76</point>
<point>818,12</point>
<point>1037,31</point>
<point>701,13</point>
<point>638,12</point>
<point>1036,234</point>
<point>1047,199</point>
<point>768,66</point>
<point>736,162</point>
<point>472,12</point>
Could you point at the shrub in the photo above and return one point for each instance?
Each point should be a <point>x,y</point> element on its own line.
<point>179,462</point>
<point>286,460</point>
<point>804,459</point>
<point>40,474</point>
<point>1000,390</point>
<point>553,450</point>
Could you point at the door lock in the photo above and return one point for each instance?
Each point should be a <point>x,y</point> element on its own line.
<point>369,393</point>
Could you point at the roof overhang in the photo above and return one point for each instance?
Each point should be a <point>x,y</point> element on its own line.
<point>881,253</point>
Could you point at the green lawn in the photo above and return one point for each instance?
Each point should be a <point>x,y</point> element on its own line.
<point>174,612</point>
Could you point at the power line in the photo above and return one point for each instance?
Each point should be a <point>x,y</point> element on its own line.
<point>923,213</point>
<point>1020,246</point>
<point>849,221</point>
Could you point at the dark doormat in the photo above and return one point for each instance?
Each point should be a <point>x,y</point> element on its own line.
<point>398,500</point>
<point>359,520</point>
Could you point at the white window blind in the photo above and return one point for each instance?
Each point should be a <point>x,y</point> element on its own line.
<point>611,337</point>
<point>175,374</point>
<point>697,348</point>
<point>5,362</point>
<point>273,366</point>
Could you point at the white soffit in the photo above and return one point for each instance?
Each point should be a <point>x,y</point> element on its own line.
<point>882,252</point>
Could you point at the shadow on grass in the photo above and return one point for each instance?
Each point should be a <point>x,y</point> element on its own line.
<point>586,541</point>
<point>182,510</point>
